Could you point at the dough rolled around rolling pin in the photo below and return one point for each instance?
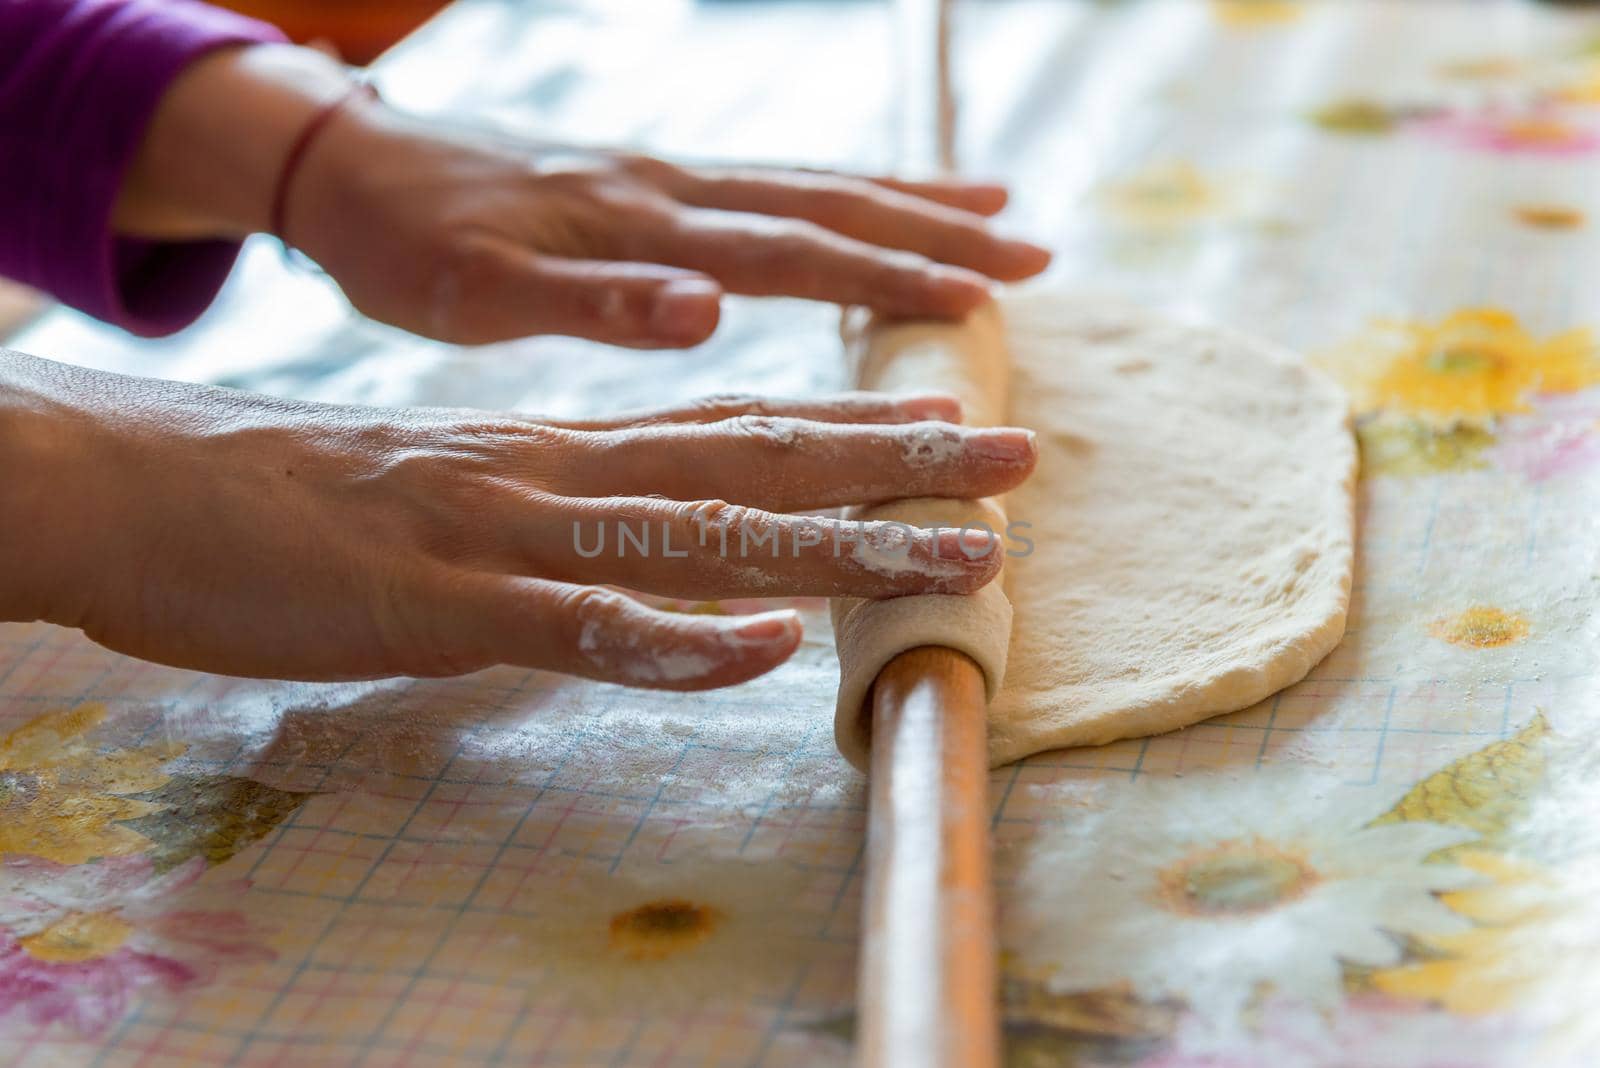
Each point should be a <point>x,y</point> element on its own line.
<point>1189,528</point>
<point>969,361</point>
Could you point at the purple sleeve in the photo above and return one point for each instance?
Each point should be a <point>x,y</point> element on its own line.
<point>79,82</point>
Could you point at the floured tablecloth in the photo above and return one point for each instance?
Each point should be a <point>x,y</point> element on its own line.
<point>1394,863</point>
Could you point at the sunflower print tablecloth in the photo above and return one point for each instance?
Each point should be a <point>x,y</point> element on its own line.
<point>1393,863</point>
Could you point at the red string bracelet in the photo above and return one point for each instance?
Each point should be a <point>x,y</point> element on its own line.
<point>302,145</point>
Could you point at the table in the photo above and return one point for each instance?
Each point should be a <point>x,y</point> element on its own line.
<point>1393,863</point>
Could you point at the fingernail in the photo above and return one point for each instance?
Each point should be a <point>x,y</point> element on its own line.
<point>685,308</point>
<point>971,544</point>
<point>1026,250</point>
<point>936,407</point>
<point>1007,444</point>
<point>768,626</point>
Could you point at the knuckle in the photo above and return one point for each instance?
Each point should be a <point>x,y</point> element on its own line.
<point>924,445</point>
<point>778,243</point>
<point>465,269</point>
<point>722,406</point>
<point>473,448</point>
<point>711,514</point>
<point>900,264</point>
<point>493,433</point>
<point>526,453</point>
<point>598,189</point>
<point>902,274</point>
<point>647,168</point>
<point>594,210</point>
<point>812,259</point>
<point>578,181</point>
<point>794,237</point>
<point>765,430</point>
<point>408,470</point>
<point>445,486</point>
<point>592,605</point>
<point>468,262</point>
<point>423,641</point>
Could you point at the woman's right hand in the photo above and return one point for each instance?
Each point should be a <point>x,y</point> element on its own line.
<point>248,535</point>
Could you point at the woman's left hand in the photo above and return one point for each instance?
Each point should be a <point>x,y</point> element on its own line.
<point>470,238</point>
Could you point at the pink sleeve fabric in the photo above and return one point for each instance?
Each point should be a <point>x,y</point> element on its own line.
<point>79,83</point>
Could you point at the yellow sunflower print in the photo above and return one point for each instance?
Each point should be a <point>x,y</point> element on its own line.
<point>59,795</point>
<point>1582,89</point>
<point>1256,12</point>
<point>1472,365</point>
<point>1489,967</point>
<point>1163,195</point>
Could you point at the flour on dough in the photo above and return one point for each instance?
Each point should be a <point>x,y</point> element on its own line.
<point>1192,518</point>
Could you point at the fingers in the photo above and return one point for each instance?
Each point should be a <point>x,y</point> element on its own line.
<point>604,635</point>
<point>760,255</point>
<point>495,291</point>
<point>840,408</point>
<point>980,198</point>
<point>870,212</point>
<point>784,465</point>
<point>710,549</point>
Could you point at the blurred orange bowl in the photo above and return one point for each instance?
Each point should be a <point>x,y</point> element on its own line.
<point>359,29</point>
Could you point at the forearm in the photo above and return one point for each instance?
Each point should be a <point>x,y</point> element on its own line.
<point>38,432</point>
<point>216,147</point>
<point>80,83</point>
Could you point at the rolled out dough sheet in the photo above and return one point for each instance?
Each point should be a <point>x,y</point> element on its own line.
<point>1191,523</point>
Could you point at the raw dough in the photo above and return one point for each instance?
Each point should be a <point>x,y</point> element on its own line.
<point>1192,521</point>
<point>969,361</point>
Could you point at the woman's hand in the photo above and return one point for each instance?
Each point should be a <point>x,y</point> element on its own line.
<point>471,238</point>
<point>247,535</point>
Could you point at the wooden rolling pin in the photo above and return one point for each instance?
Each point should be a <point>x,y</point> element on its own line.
<point>928,986</point>
<point>927,992</point>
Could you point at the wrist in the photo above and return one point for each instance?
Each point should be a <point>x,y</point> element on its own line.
<point>289,174</point>
<point>367,176</point>
<point>215,149</point>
